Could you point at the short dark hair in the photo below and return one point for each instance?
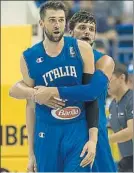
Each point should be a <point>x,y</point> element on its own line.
<point>121,69</point>
<point>81,16</point>
<point>56,5</point>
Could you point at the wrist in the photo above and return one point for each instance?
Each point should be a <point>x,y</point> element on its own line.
<point>31,94</point>
<point>55,92</point>
<point>93,141</point>
<point>93,134</point>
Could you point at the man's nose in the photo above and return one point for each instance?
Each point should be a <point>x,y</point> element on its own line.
<point>57,25</point>
<point>87,32</point>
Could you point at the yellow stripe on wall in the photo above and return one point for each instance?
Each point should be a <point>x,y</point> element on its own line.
<point>14,40</point>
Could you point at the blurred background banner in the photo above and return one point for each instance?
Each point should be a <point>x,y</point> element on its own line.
<point>14,40</point>
<point>20,29</point>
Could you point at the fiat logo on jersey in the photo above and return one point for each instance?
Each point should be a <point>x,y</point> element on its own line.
<point>66,113</point>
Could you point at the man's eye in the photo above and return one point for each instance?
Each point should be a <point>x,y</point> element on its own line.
<point>61,20</point>
<point>91,29</point>
<point>52,20</point>
<point>82,27</point>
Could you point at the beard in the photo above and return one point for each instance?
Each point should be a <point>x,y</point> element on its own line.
<point>53,38</point>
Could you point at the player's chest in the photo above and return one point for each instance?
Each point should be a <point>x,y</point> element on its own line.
<point>58,71</point>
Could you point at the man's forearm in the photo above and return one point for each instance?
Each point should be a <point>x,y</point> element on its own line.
<point>87,92</point>
<point>30,122</point>
<point>121,136</point>
<point>93,134</point>
<point>21,91</point>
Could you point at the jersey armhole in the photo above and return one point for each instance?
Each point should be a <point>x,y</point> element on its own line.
<point>77,50</point>
<point>28,66</point>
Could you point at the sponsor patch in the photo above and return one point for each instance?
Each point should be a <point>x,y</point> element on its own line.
<point>66,113</point>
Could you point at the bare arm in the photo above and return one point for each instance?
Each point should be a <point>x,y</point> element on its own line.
<point>88,60</point>
<point>30,116</point>
<point>106,64</point>
<point>30,122</point>
<point>123,135</point>
<point>23,89</point>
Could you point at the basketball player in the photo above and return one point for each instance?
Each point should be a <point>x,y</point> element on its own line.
<point>83,26</point>
<point>59,134</point>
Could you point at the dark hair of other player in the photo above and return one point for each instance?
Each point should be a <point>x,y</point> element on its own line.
<point>81,16</point>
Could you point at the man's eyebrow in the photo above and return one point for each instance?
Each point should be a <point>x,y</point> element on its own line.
<point>53,17</point>
<point>82,24</point>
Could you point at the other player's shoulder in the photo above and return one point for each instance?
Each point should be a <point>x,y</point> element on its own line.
<point>102,57</point>
<point>70,40</point>
<point>98,53</point>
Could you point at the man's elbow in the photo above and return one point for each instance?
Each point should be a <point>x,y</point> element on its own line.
<point>13,92</point>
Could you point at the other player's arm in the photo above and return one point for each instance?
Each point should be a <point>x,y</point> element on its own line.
<point>91,108</point>
<point>106,64</point>
<point>98,84</point>
<point>24,90</point>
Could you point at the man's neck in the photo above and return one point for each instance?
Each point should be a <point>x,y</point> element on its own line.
<point>53,48</point>
<point>122,91</point>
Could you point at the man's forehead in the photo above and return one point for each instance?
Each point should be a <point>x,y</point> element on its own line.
<point>89,23</point>
<point>55,13</point>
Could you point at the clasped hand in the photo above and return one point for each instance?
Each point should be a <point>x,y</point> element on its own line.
<point>48,96</point>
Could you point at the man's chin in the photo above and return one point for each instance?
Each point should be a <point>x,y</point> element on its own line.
<point>56,39</point>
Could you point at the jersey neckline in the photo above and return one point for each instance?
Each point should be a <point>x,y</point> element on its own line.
<point>54,57</point>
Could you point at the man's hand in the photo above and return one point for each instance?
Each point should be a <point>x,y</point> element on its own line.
<point>48,96</point>
<point>90,148</point>
<point>32,166</point>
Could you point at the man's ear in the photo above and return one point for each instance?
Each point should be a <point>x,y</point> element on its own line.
<point>122,76</point>
<point>41,23</point>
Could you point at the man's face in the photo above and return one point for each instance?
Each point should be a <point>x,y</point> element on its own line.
<point>115,84</point>
<point>85,31</point>
<point>54,24</point>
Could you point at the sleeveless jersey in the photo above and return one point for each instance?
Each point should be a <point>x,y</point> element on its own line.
<point>64,70</point>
